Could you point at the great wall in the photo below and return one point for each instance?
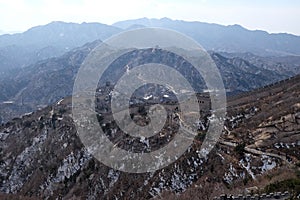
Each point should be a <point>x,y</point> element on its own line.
<point>264,196</point>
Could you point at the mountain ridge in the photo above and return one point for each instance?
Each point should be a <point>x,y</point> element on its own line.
<point>48,81</point>
<point>46,41</point>
<point>55,38</point>
<point>211,35</point>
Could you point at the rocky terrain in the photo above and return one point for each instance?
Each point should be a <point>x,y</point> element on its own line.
<point>282,64</point>
<point>42,156</point>
<point>41,84</point>
<point>261,136</point>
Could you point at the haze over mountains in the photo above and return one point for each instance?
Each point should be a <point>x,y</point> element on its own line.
<point>43,80</point>
<point>232,38</point>
<point>56,38</point>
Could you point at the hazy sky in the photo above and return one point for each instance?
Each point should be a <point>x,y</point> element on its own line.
<point>269,15</point>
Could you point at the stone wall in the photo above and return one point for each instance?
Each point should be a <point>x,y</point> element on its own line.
<point>270,196</point>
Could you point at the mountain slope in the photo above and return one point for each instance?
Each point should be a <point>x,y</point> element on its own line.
<point>41,84</point>
<point>59,34</point>
<point>262,128</point>
<point>50,80</point>
<point>54,39</point>
<point>289,65</point>
<point>233,38</point>
<point>42,157</point>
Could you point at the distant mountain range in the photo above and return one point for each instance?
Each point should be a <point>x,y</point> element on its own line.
<point>51,40</point>
<point>31,79</point>
<point>54,39</point>
<point>233,38</point>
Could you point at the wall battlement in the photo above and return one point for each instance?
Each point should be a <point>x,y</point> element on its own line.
<point>270,196</point>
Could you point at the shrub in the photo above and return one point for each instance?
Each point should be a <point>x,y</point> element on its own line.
<point>240,148</point>
<point>292,185</point>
